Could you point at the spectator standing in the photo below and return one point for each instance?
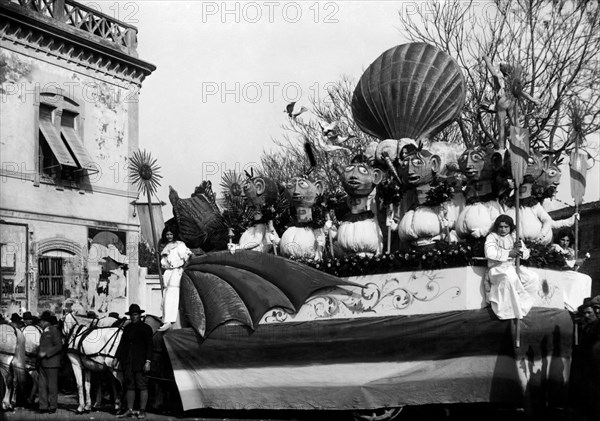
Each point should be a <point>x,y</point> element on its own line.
<point>134,354</point>
<point>49,363</point>
<point>16,321</point>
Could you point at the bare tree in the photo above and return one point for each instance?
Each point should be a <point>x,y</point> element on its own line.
<point>335,148</point>
<point>555,43</point>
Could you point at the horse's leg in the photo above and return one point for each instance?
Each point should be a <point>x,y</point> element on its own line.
<point>6,397</point>
<point>77,371</point>
<point>115,379</point>
<point>13,386</point>
<point>34,387</point>
<point>87,383</point>
<point>96,381</point>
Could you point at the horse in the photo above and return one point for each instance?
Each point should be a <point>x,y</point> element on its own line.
<point>91,347</point>
<point>12,363</point>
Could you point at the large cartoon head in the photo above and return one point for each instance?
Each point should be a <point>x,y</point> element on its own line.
<point>551,173</point>
<point>478,163</point>
<point>534,168</point>
<point>359,179</point>
<point>302,191</point>
<point>260,191</point>
<point>419,167</point>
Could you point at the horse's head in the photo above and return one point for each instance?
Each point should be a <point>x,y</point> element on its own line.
<point>69,322</point>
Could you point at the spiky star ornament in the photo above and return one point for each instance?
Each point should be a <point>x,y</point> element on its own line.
<point>144,172</point>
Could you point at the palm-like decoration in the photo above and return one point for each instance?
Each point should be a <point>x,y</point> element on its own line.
<point>144,173</point>
<point>235,207</point>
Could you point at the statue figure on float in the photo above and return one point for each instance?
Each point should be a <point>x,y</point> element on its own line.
<point>425,222</point>
<point>359,232</point>
<point>261,193</point>
<point>535,224</point>
<point>479,165</point>
<point>306,238</point>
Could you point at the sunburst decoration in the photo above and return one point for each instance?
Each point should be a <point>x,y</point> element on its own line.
<point>144,172</point>
<point>231,183</point>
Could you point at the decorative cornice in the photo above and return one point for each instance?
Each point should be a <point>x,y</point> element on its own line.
<point>70,45</point>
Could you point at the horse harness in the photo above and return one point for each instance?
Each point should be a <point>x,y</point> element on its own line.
<point>81,331</point>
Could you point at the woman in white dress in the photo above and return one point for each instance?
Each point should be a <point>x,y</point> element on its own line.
<point>511,294</point>
<point>173,257</point>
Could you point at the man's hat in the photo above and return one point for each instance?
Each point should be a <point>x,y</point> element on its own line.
<point>134,308</point>
<point>595,302</point>
<point>15,318</point>
<point>46,316</point>
<point>113,314</point>
<point>27,315</point>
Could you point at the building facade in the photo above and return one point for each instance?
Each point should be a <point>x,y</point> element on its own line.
<point>70,80</point>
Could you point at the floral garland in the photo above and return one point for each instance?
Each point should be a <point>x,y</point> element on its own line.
<point>441,191</point>
<point>541,255</point>
<point>390,191</point>
<point>442,255</point>
<point>541,193</point>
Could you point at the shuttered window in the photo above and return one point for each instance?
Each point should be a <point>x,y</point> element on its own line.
<point>51,280</point>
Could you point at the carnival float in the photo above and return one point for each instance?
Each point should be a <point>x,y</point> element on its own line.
<point>292,304</point>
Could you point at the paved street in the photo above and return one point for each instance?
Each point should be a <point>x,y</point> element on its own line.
<point>68,404</point>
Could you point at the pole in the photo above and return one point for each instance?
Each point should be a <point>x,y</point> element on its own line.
<point>576,247</point>
<point>517,228</point>
<point>155,240</point>
<point>390,220</point>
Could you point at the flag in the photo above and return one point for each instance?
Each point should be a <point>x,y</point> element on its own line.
<point>578,166</point>
<point>372,362</point>
<point>519,153</point>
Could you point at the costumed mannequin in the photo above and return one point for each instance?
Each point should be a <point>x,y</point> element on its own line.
<point>535,224</point>
<point>482,208</point>
<point>426,222</point>
<point>173,257</point>
<point>547,183</point>
<point>359,232</point>
<point>306,239</point>
<point>511,294</point>
<point>261,193</point>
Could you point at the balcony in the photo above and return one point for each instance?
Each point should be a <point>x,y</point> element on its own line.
<point>86,19</point>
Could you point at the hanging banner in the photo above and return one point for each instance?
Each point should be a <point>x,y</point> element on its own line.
<point>578,164</point>
<point>519,153</point>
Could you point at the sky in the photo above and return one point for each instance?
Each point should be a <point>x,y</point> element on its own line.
<point>226,71</point>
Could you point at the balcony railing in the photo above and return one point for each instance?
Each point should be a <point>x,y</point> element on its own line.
<point>86,19</point>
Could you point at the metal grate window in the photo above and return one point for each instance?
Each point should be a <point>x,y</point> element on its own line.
<point>51,276</point>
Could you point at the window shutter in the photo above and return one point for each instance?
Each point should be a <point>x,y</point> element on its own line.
<point>67,119</point>
<point>46,112</point>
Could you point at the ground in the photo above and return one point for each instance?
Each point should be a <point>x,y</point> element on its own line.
<point>68,404</point>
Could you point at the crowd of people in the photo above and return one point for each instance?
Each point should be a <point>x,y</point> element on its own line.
<point>133,356</point>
